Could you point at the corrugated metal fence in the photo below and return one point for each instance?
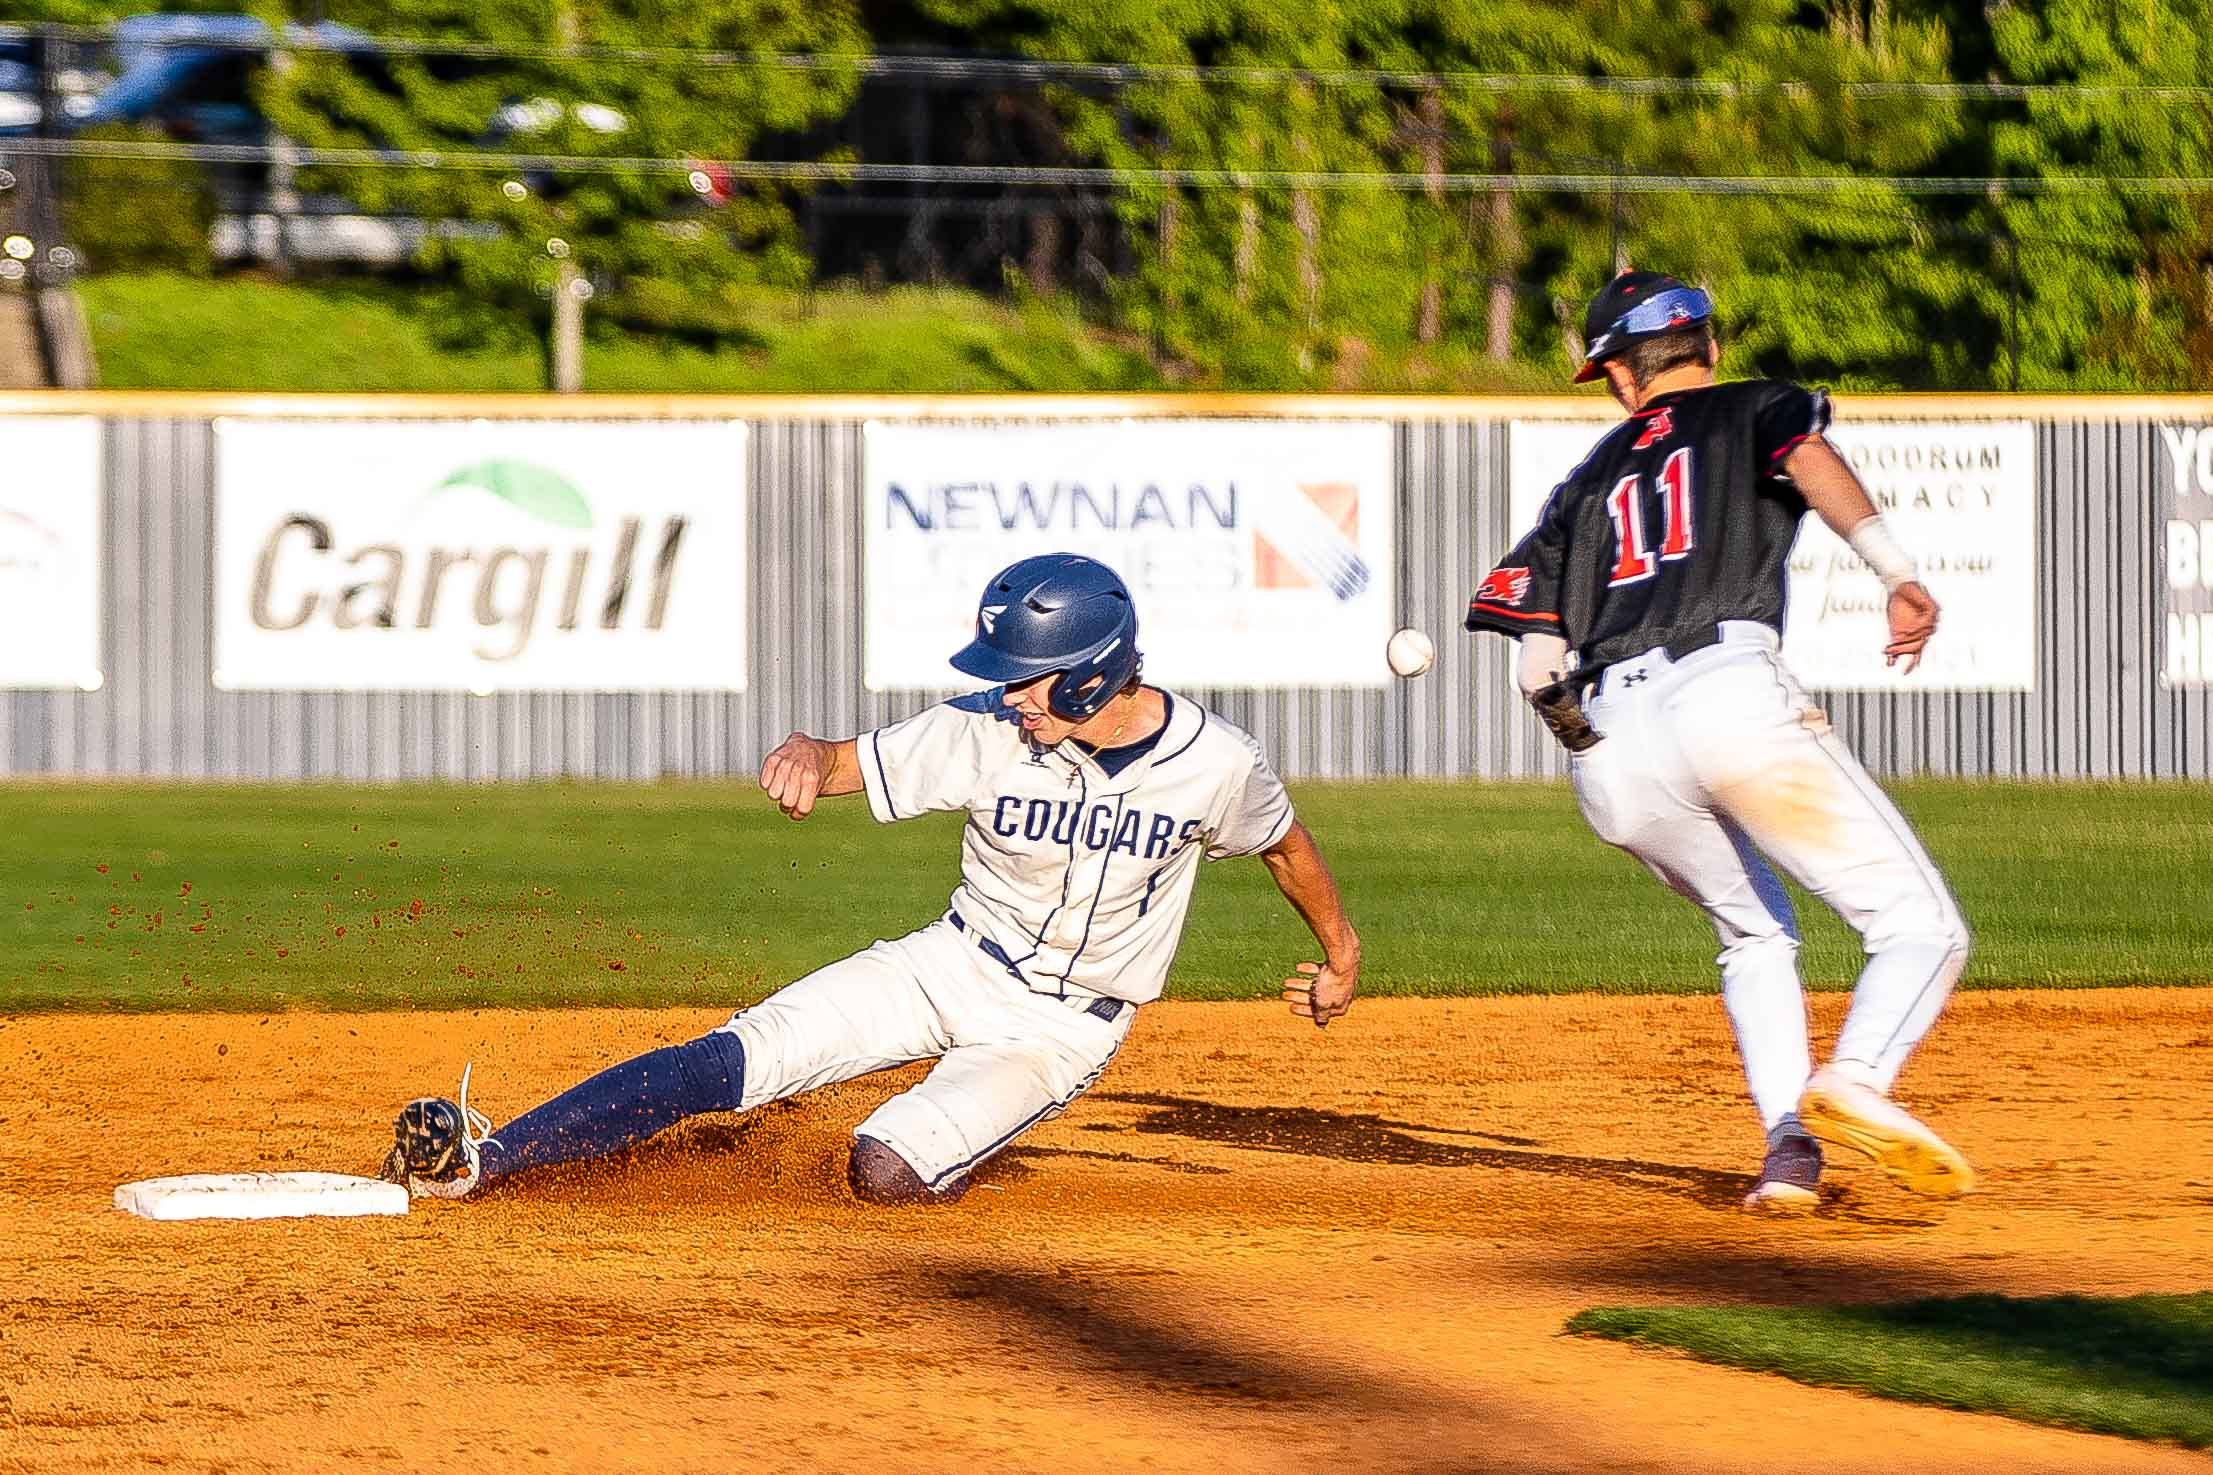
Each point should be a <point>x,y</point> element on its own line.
<point>2098,709</point>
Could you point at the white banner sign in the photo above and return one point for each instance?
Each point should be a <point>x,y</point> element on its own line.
<point>2186,555</point>
<point>1259,553</point>
<point>479,556</point>
<point>1961,497</point>
<point>50,561</point>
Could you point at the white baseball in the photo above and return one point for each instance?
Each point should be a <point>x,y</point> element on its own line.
<point>1410,653</point>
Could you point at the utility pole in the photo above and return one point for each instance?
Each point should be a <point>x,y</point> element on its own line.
<point>1621,247</point>
<point>284,193</point>
<point>571,289</point>
<point>1505,250</point>
<point>1429,319</point>
<point>2013,308</point>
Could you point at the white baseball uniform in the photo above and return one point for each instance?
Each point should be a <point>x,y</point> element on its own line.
<point>1074,886</point>
<point>1661,562</point>
<point>1712,760</point>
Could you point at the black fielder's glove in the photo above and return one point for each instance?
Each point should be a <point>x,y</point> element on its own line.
<point>1561,707</point>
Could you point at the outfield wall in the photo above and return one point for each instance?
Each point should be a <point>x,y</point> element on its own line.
<point>2098,692</point>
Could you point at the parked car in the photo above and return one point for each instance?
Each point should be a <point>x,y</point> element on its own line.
<point>189,75</point>
<point>21,101</point>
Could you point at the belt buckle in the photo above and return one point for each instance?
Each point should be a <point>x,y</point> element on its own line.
<point>984,945</point>
<point>998,955</point>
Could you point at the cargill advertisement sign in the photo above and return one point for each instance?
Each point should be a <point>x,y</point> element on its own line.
<point>50,553</point>
<point>1259,553</point>
<point>479,556</point>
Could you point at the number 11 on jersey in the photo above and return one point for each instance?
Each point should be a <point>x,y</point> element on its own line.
<point>1635,558</point>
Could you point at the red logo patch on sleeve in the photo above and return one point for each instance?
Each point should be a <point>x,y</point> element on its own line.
<point>1504,586</point>
<point>1658,426</point>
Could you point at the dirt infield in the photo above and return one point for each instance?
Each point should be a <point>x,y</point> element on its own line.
<point>1253,1248</point>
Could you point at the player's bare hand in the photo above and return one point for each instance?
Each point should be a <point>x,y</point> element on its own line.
<point>793,774</point>
<point>1320,992</point>
<point>1912,621</point>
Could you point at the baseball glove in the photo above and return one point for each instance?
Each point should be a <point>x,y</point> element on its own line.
<point>1561,707</point>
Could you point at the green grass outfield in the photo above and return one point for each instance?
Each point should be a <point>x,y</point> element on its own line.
<point>199,896</point>
<point>2140,1366</point>
<point>153,331</point>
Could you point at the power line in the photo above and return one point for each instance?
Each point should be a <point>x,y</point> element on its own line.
<point>802,171</point>
<point>956,68</point>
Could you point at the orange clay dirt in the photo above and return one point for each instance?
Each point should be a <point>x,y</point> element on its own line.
<point>1254,1247</point>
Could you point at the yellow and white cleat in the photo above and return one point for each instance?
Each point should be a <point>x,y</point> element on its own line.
<point>1844,1113</point>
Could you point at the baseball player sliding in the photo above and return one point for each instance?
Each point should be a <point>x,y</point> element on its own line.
<point>1091,798</point>
<point>1659,564</point>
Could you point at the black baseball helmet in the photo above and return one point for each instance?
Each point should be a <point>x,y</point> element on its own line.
<point>1633,307</point>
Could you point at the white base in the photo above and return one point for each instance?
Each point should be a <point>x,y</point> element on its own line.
<point>261,1196</point>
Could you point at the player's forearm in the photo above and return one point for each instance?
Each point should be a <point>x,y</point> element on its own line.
<point>841,766</point>
<point>1830,487</point>
<point>803,769</point>
<point>1295,862</point>
<point>1834,492</point>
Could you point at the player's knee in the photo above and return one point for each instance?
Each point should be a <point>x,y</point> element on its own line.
<point>1776,940</point>
<point>1766,957</point>
<point>1932,921</point>
<point>1957,935</point>
<point>880,1175</point>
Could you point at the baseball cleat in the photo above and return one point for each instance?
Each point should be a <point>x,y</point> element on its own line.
<point>1844,1113</point>
<point>1790,1174</point>
<point>436,1147</point>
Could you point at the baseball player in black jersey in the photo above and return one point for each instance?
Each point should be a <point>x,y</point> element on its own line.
<point>1649,603</point>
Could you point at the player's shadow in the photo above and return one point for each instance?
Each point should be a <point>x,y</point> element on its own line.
<point>2163,1341</point>
<point>1157,1342</point>
<point>1818,1271</point>
<point>1031,1152</point>
<point>1361,1137</point>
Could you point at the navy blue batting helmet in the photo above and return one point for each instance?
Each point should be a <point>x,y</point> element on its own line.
<point>1057,612</point>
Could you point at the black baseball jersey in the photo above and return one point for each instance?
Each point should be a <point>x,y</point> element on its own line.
<point>1678,519</point>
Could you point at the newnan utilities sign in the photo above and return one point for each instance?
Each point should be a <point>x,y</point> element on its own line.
<point>479,556</point>
<point>1259,553</point>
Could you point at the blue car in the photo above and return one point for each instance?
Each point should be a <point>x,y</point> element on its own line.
<point>189,75</point>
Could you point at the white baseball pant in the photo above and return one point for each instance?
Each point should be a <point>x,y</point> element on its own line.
<point>1007,1058</point>
<point>1715,760</point>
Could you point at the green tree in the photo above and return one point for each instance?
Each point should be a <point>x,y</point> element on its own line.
<point>1269,285</point>
<point>2115,284</point>
<point>1826,287</point>
<point>103,12</point>
<point>670,252</point>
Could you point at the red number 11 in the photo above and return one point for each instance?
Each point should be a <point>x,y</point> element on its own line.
<point>1625,505</point>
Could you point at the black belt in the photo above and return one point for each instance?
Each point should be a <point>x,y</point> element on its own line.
<point>1584,677</point>
<point>1101,1007</point>
<point>1696,640</point>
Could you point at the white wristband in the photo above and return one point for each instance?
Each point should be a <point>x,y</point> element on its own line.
<point>1872,541</point>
